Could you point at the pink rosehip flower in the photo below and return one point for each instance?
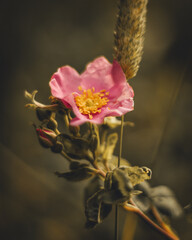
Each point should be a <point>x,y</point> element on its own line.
<point>100,91</point>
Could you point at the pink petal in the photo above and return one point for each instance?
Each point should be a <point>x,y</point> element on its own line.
<point>65,81</point>
<point>118,109</point>
<point>118,74</point>
<point>98,75</point>
<point>98,64</point>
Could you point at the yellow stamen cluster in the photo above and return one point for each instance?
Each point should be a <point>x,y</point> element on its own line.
<point>90,102</point>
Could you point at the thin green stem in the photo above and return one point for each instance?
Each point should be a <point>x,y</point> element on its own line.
<point>121,140</point>
<point>96,130</point>
<point>119,160</point>
<point>66,156</point>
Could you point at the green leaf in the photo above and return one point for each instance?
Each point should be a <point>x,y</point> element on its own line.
<point>95,210</point>
<point>142,201</point>
<point>161,197</point>
<point>75,147</point>
<point>93,186</point>
<point>118,187</point>
<point>165,201</point>
<point>77,174</point>
<point>113,162</point>
<point>137,174</point>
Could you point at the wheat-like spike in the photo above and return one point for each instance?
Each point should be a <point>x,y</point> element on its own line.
<point>129,35</point>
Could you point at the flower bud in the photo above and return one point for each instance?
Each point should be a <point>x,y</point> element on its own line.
<point>47,138</point>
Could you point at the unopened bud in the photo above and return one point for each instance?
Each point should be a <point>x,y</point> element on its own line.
<point>46,137</point>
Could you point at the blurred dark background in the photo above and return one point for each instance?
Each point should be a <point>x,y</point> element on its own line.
<point>37,37</point>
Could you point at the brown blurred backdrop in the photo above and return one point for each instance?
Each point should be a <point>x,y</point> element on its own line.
<point>37,37</point>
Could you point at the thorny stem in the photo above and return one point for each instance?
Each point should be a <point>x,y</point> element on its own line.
<point>119,159</point>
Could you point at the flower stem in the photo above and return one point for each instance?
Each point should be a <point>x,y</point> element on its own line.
<point>121,141</point>
<point>162,223</point>
<point>165,232</point>
<point>119,160</point>
<point>66,156</point>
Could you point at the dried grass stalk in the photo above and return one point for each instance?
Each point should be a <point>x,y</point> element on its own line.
<point>129,35</point>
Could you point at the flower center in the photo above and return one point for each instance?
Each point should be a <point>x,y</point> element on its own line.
<point>90,102</point>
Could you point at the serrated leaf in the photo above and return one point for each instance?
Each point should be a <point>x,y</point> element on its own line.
<point>75,147</point>
<point>77,174</point>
